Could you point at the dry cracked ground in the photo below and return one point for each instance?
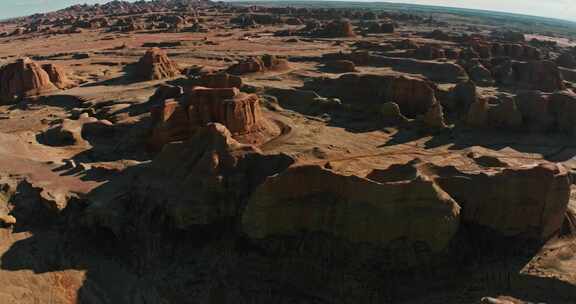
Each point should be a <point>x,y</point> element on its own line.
<point>194,152</point>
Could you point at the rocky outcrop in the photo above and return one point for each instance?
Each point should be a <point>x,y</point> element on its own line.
<point>355,209</point>
<point>239,112</point>
<point>341,66</point>
<point>528,111</point>
<point>563,110</point>
<point>527,201</point>
<point>166,91</point>
<point>567,60</point>
<point>178,120</point>
<point>155,65</point>
<point>386,27</point>
<point>72,132</point>
<point>58,76</point>
<point>218,80</point>
<point>189,185</point>
<point>444,72</point>
<point>480,75</point>
<point>336,29</point>
<point>24,78</point>
<point>461,97</point>
<point>429,52</point>
<point>413,95</point>
<point>434,120</point>
<point>534,75</point>
<point>391,113</point>
<point>515,51</point>
<point>258,64</point>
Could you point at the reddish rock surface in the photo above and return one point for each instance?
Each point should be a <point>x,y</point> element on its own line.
<point>58,76</point>
<point>155,65</point>
<point>24,78</point>
<point>258,64</point>
<point>173,120</point>
<point>337,28</point>
<point>219,80</point>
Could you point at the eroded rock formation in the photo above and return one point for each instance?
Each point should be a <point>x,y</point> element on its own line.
<point>58,76</point>
<point>178,120</point>
<point>335,29</point>
<point>190,184</point>
<point>435,201</point>
<point>258,64</point>
<point>356,209</point>
<point>24,78</point>
<point>413,95</point>
<point>155,65</point>
<point>219,80</point>
<point>536,75</point>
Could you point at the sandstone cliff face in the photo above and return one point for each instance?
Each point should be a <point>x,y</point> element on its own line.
<point>527,111</point>
<point>352,208</point>
<point>239,112</point>
<point>155,65</point>
<point>24,78</point>
<point>58,76</point>
<point>171,123</point>
<point>415,202</point>
<point>515,51</point>
<point>526,201</point>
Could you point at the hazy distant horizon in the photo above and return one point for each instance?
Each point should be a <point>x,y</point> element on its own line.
<point>560,9</point>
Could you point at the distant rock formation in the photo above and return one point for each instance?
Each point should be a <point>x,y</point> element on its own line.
<point>336,29</point>
<point>22,79</point>
<point>567,60</point>
<point>515,51</point>
<point>429,52</point>
<point>435,71</point>
<point>386,27</point>
<point>533,111</point>
<point>258,64</point>
<point>541,75</point>
<point>155,65</point>
<point>413,95</point>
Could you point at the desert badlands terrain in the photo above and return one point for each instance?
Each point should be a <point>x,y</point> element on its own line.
<point>201,152</point>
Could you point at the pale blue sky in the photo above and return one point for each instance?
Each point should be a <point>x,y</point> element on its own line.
<point>563,9</point>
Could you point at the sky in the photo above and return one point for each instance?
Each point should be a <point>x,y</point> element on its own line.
<point>562,9</point>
